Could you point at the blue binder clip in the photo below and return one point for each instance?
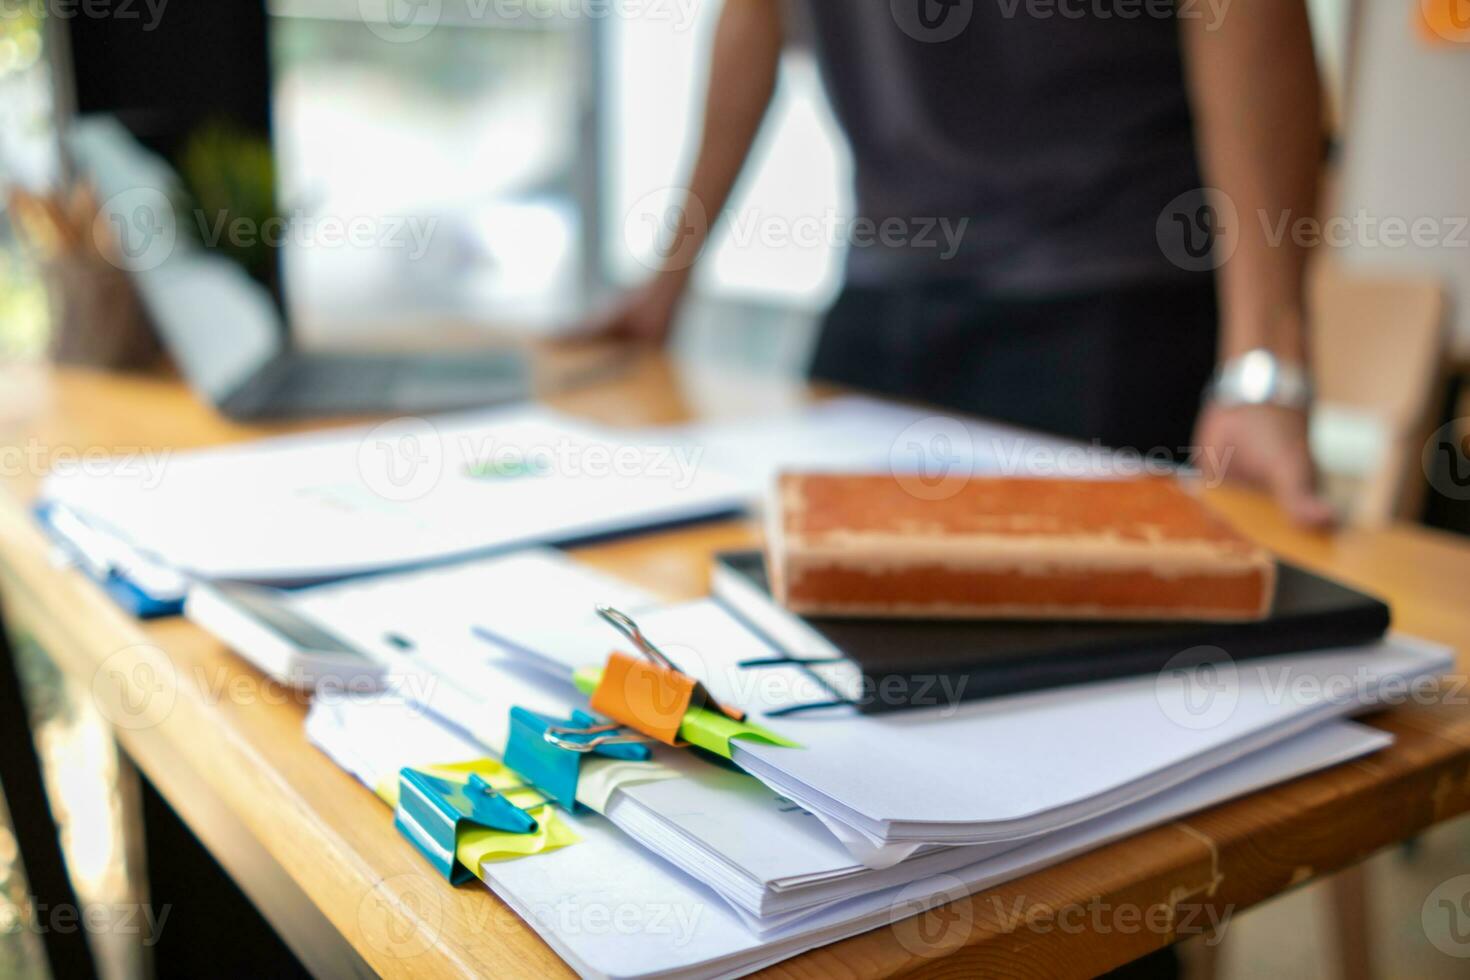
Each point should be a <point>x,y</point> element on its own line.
<point>431,812</point>
<point>548,753</point>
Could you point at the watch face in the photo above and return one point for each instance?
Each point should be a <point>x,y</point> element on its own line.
<point>1257,377</point>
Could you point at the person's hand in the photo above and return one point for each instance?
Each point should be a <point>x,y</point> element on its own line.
<point>644,315</point>
<point>1263,446</point>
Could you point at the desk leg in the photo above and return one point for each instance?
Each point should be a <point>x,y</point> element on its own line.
<point>67,950</point>
<point>209,926</point>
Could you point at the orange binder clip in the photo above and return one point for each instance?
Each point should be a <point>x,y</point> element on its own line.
<point>650,697</point>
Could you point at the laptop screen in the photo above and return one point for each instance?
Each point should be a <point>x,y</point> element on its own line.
<point>430,164</point>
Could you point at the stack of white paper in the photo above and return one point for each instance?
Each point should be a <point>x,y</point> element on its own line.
<point>410,492</point>
<point>1003,771</point>
<point>670,924</point>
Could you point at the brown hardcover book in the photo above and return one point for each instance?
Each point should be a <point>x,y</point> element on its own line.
<point>841,545</point>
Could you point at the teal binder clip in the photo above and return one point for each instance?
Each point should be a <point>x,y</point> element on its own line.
<point>432,811</point>
<point>548,753</point>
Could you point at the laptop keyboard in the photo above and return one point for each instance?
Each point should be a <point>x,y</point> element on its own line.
<point>347,384</point>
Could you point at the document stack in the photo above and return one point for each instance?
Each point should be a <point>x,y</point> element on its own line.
<point>786,829</point>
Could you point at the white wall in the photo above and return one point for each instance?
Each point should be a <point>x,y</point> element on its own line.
<point>1407,153</point>
<point>780,248</point>
<point>1330,19</point>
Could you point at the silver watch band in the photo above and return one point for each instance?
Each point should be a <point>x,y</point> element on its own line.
<point>1259,377</point>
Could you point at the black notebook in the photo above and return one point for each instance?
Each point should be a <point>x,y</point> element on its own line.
<point>987,658</point>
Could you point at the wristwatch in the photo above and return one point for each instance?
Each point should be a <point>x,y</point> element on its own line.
<point>1259,377</point>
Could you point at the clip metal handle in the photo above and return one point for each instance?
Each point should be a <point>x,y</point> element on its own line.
<point>601,735</point>
<point>624,624</point>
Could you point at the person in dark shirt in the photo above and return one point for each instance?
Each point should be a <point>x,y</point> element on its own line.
<point>1105,174</point>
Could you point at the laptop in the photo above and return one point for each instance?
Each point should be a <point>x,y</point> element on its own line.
<point>272,72</point>
<point>225,334</point>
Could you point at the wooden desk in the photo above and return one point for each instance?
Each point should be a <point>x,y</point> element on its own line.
<point>319,855</point>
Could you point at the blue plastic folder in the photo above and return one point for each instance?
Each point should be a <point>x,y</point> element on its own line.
<point>109,574</point>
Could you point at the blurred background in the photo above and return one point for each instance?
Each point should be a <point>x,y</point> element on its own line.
<point>494,128</point>
<point>458,171</point>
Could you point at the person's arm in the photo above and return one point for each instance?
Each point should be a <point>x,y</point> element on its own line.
<point>1256,99</point>
<point>742,78</point>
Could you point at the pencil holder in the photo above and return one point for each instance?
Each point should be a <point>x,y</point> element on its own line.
<point>96,317</point>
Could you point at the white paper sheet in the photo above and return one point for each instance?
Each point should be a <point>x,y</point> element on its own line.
<point>409,492</point>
